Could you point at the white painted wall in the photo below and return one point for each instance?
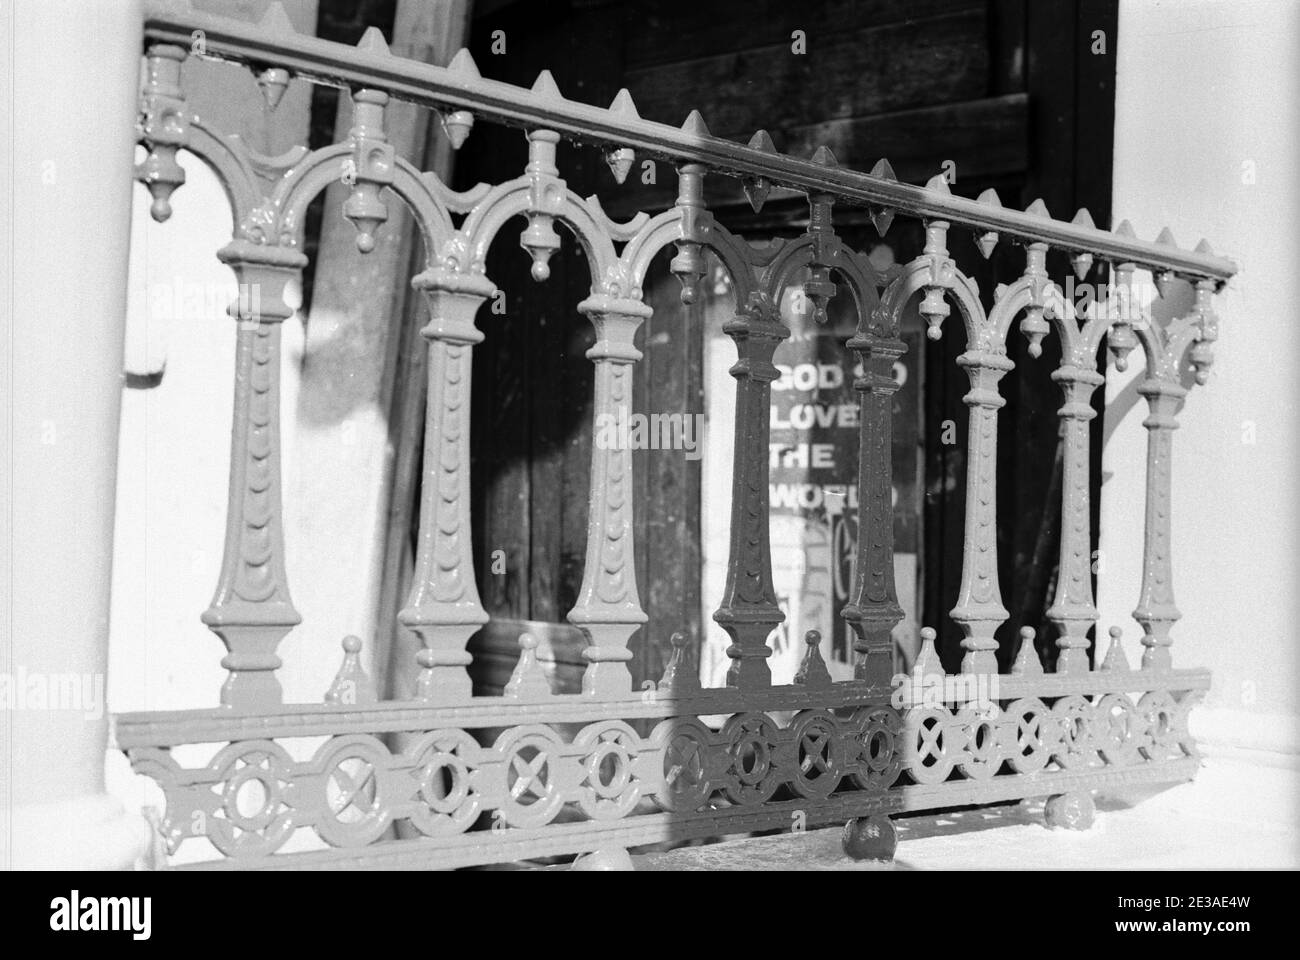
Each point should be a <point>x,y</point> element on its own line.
<point>1206,135</point>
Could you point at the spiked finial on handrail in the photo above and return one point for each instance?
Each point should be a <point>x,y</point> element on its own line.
<point>623,105</point>
<point>695,125</point>
<point>1038,209</point>
<point>678,678</point>
<point>986,242</point>
<point>351,684</point>
<point>276,20</point>
<point>939,184</point>
<point>1027,663</point>
<point>1082,262</point>
<point>812,671</point>
<point>463,64</point>
<point>882,217</point>
<point>373,42</point>
<point>620,159</point>
<point>528,681</point>
<point>825,157</point>
<point>546,86</point>
<point>757,188</point>
<point>1125,229</point>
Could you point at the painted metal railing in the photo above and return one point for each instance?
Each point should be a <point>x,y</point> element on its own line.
<point>450,779</point>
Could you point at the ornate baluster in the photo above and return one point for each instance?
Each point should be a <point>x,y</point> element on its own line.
<point>251,611</point>
<point>979,610</point>
<point>1156,611</point>
<point>749,612</point>
<point>444,608</point>
<point>873,611</point>
<point>1073,611</point>
<point>608,609</point>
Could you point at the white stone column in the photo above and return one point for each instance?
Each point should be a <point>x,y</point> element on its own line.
<point>73,80</point>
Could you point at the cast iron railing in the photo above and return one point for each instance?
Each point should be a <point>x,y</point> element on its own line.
<point>450,779</point>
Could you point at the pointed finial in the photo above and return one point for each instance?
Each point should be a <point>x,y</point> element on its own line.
<point>273,81</point>
<point>528,681</point>
<point>812,671</point>
<point>938,183</point>
<point>1167,238</point>
<point>457,125</point>
<point>762,141</point>
<point>373,42</point>
<point>1115,659</point>
<point>757,188</point>
<point>1027,663</point>
<point>927,661</point>
<point>1082,261</point>
<point>276,20</point>
<point>1125,229</point>
<point>1038,209</point>
<point>620,160</point>
<point>824,156</point>
<point>679,679</point>
<point>882,217</point>
<point>351,686</point>
<point>756,191</point>
<point>623,106</point>
<point>545,86</point>
<point>1204,247</point>
<point>987,242</point>
<point>463,63</point>
<point>695,125</point>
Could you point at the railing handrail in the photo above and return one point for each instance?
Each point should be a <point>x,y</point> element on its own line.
<point>324,61</point>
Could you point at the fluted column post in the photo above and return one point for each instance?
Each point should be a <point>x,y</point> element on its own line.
<point>251,611</point>
<point>608,610</point>
<point>1073,610</point>
<point>443,608</point>
<point>749,611</point>
<point>873,610</point>
<point>1156,611</point>
<point>979,609</point>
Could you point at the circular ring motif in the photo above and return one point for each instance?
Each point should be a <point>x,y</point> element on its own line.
<point>752,774</point>
<point>445,802</point>
<point>254,819</point>
<point>1161,718</point>
<point>981,749</point>
<point>878,754</point>
<point>608,791</point>
<point>1120,730</point>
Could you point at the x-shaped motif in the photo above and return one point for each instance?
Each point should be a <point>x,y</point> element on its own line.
<point>350,787</point>
<point>815,746</point>
<point>527,772</point>
<point>930,740</point>
<point>683,754</point>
